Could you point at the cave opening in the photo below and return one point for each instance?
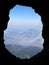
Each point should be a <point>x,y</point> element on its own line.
<point>23,36</point>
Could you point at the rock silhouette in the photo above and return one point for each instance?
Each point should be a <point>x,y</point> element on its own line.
<point>40,7</point>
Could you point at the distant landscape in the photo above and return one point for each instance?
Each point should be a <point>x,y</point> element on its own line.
<point>23,37</point>
<point>23,52</point>
<point>24,43</point>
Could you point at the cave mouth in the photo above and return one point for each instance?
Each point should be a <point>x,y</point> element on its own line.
<point>24,32</point>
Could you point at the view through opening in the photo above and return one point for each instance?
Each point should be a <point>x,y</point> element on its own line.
<point>23,37</point>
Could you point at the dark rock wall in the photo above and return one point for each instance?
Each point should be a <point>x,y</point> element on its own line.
<point>40,7</point>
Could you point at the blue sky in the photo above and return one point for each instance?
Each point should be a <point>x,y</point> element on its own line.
<point>22,11</point>
<point>24,16</point>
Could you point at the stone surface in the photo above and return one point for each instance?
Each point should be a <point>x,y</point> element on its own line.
<point>40,7</point>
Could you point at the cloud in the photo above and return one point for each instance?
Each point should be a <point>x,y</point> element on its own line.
<point>21,38</point>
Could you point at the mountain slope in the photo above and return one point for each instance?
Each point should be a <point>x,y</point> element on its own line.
<point>23,52</point>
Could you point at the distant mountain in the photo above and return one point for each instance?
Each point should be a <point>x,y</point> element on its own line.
<point>23,36</point>
<point>26,33</point>
<point>30,33</point>
<point>23,52</point>
<point>30,38</point>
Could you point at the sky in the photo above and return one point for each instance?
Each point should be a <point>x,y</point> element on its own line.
<point>23,18</point>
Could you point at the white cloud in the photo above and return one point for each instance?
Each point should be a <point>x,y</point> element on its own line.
<point>24,41</point>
